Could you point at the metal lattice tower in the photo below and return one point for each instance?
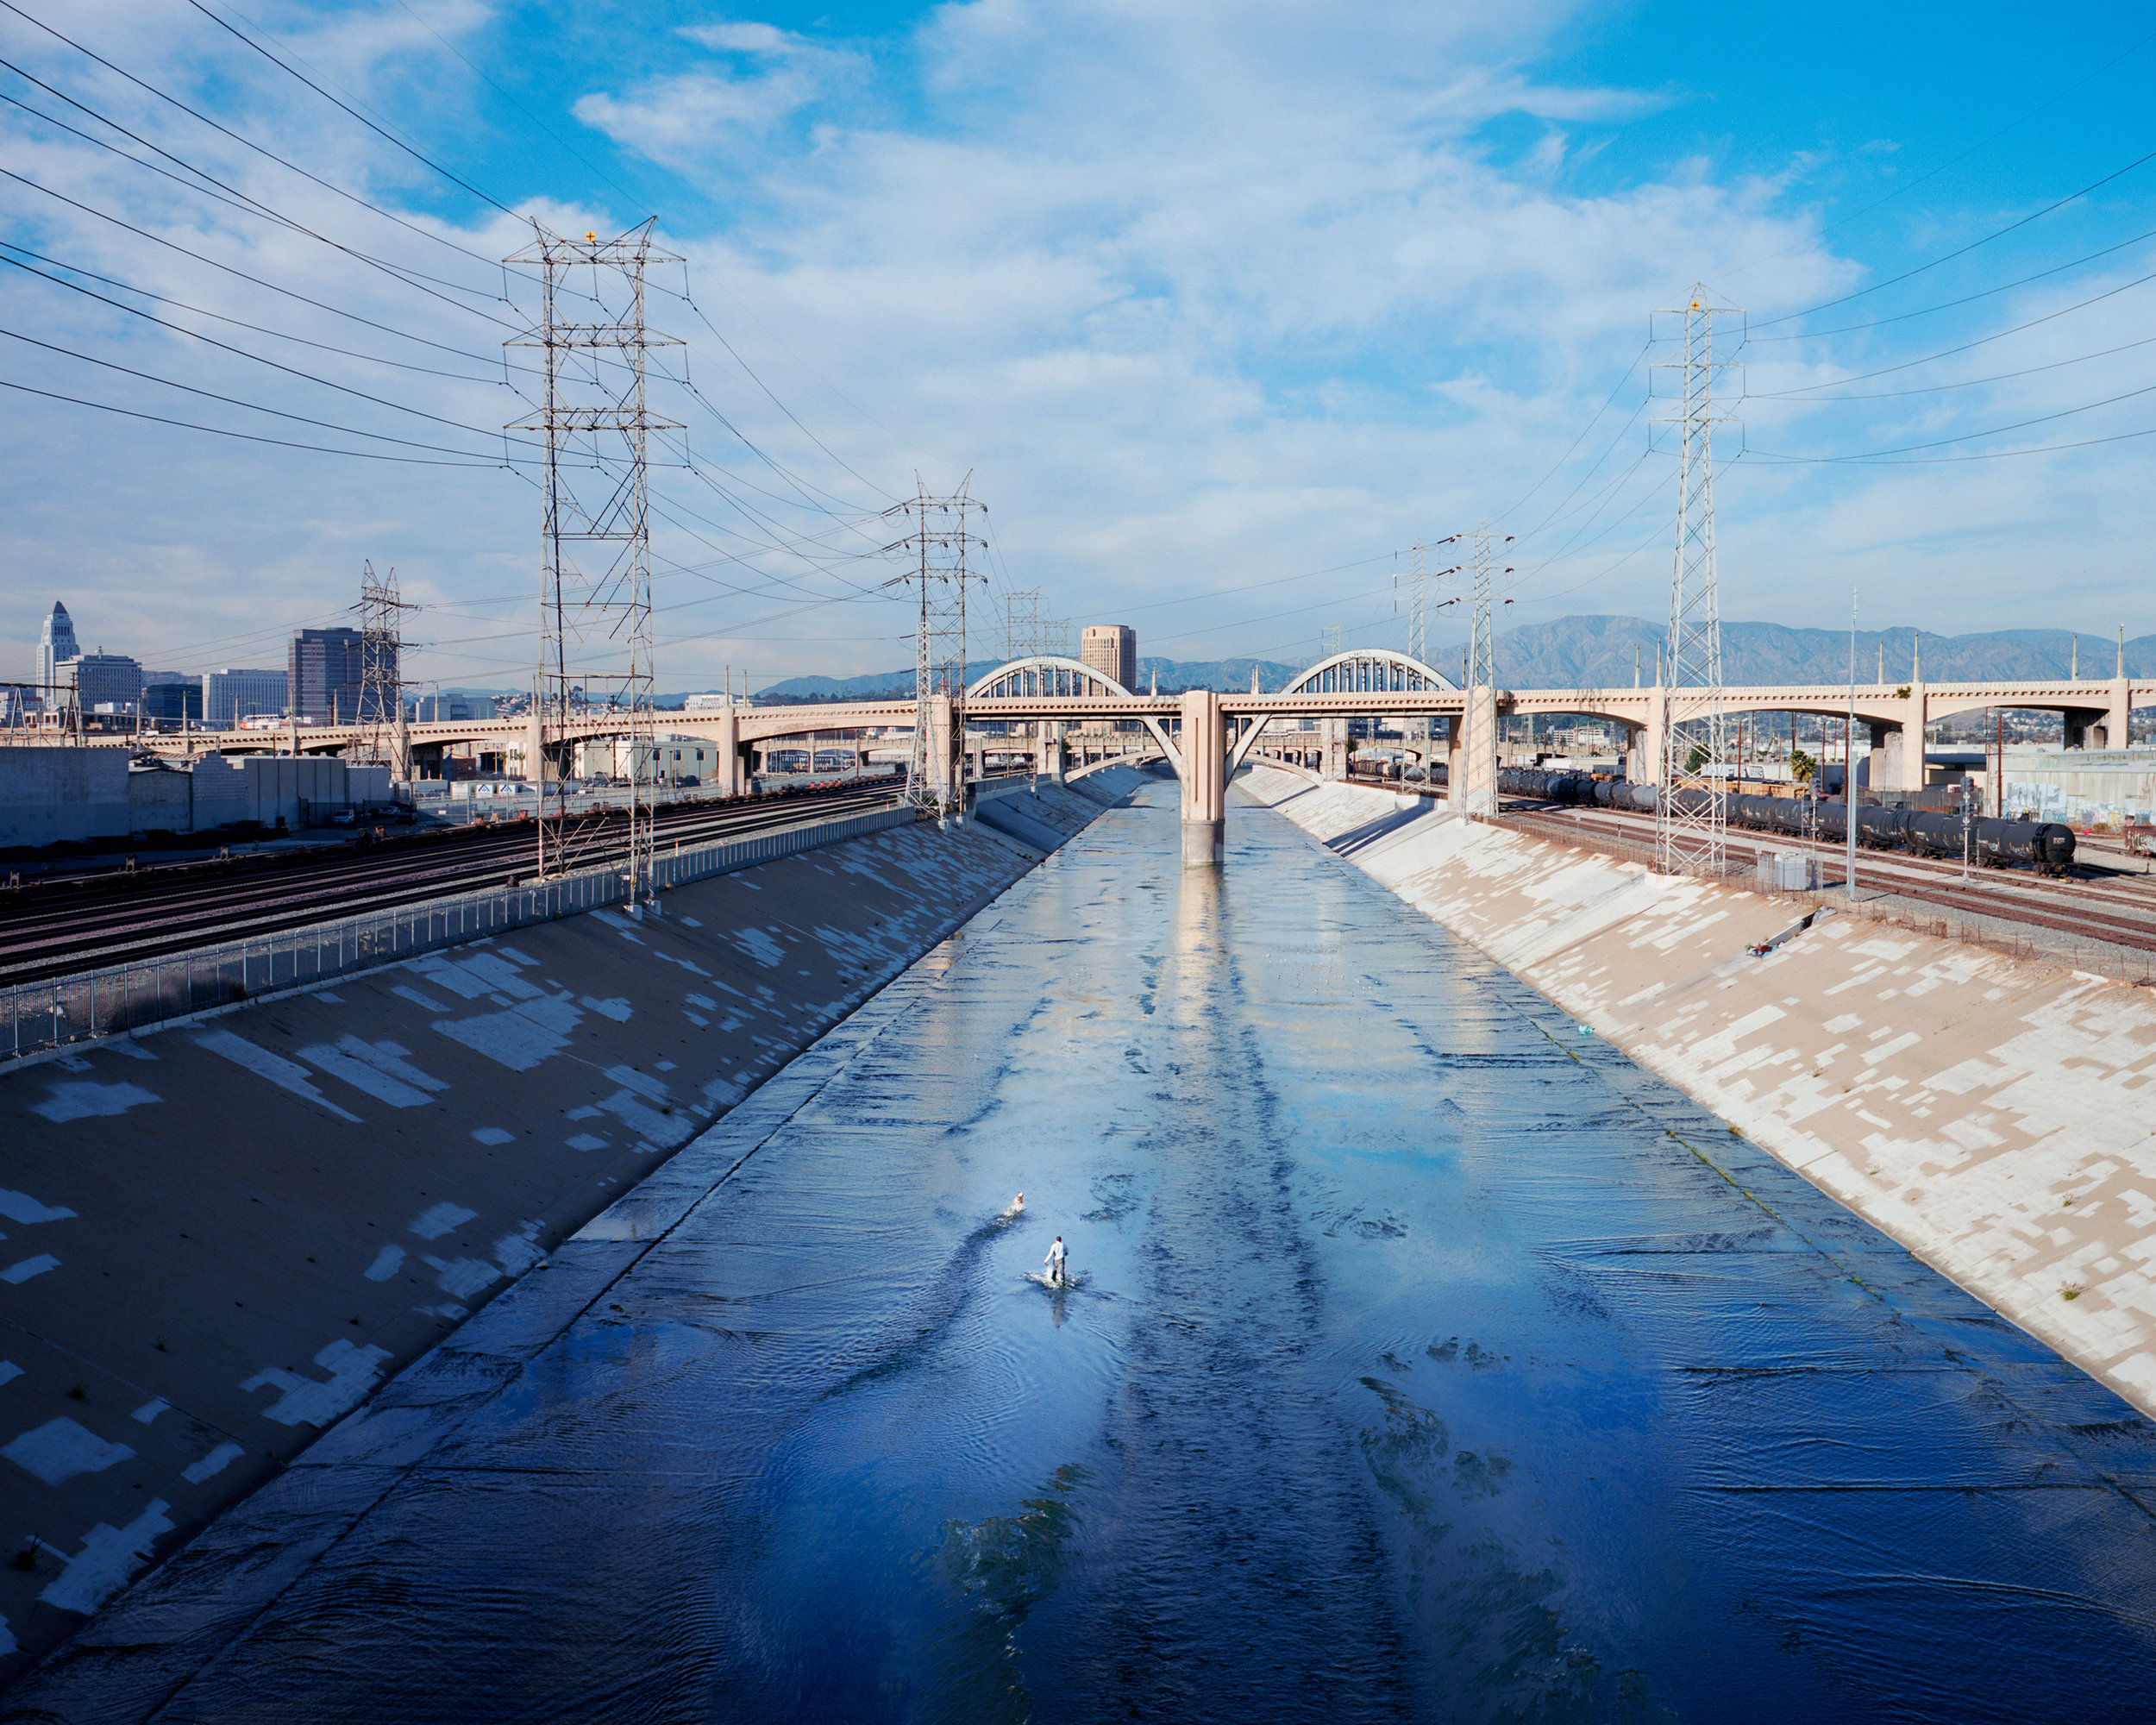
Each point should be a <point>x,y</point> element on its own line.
<point>940,542</point>
<point>381,687</point>
<point>595,639</point>
<point>1476,793</point>
<point>1415,608</point>
<point>1692,819</point>
<point>1022,627</point>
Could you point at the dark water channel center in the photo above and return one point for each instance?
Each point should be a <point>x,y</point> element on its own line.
<point>1427,1360</point>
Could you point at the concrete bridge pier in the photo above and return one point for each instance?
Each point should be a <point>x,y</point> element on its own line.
<point>727,766</point>
<point>1204,775</point>
<point>1333,752</point>
<point>943,762</point>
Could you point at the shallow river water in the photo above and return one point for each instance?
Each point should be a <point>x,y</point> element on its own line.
<point>1427,1361</point>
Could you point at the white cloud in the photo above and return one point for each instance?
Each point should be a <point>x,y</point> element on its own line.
<point>1200,298</point>
<point>775,74</point>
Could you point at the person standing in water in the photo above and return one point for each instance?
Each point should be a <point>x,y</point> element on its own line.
<point>1057,1276</point>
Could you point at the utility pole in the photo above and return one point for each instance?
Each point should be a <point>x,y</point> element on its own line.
<point>595,632</point>
<point>381,671</point>
<point>940,542</point>
<point>1692,819</point>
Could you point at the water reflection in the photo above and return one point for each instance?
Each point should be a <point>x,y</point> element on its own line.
<point>1421,1366</point>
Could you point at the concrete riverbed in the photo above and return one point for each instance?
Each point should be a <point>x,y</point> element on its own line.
<point>1426,1361</point>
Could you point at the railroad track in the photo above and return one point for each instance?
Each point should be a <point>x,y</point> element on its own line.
<point>54,931</point>
<point>2033,903</point>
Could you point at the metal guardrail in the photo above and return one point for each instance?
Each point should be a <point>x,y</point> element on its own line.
<point>36,1016</point>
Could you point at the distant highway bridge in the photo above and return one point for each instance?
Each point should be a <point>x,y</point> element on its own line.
<point>1049,696</point>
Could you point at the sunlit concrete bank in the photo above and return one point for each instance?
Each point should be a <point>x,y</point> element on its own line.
<point>217,1237</point>
<point>1991,1114</point>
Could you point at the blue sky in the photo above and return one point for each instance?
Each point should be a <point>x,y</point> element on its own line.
<point>1220,307</point>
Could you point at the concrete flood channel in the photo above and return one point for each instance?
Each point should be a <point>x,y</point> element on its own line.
<point>1425,1360</point>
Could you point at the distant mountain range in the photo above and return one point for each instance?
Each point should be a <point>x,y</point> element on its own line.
<point>1600,652</point>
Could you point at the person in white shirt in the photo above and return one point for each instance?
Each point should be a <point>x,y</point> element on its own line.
<point>1057,1277</point>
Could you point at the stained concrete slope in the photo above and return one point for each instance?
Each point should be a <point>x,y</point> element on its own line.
<point>217,1238</point>
<point>1992,1114</point>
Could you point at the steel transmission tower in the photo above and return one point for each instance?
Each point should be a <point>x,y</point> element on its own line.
<point>940,542</point>
<point>1691,821</point>
<point>595,640</point>
<point>381,669</point>
<point>1022,626</point>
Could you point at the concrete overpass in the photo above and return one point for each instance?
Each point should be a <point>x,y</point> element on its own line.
<point>1047,699</point>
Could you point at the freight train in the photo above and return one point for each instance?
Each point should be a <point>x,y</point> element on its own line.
<point>2046,846</point>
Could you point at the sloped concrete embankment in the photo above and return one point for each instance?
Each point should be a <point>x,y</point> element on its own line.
<point>217,1237</point>
<point>1992,1114</point>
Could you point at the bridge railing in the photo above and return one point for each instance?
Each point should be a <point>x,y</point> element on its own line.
<point>38,1016</point>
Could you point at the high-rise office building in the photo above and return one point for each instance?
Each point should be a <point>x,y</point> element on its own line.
<point>1111,648</point>
<point>55,641</point>
<point>94,682</point>
<point>170,700</point>
<point>326,672</point>
<point>232,694</point>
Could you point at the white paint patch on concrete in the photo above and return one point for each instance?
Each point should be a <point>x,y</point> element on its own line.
<point>446,1310</point>
<point>696,1018</point>
<point>363,1075</point>
<point>686,963</point>
<point>9,1371</point>
<point>22,1272</point>
<point>149,1410</point>
<point>19,1206</point>
<point>616,1007</point>
<point>629,1078</point>
<point>8,1646</point>
<point>517,956</point>
<point>62,1449</point>
<point>385,1263</point>
<point>462,1277</point>
<point>586,1112</point>
<point>587,1141</point>
<point>517,1252</point>
<point>760,946</point>
<point>335,1000</point>
<point>703,1000</point>
<point>212,1465</point>
<point>520,1038</point>
<point>419,1000</point>
<point>84,1099</point>
<point>438,1220</point>
<point>306,1401</point>
<point>690,922</point>
<point>108,1557</point>
<point>287,1074</point>
<point>494,1135</point>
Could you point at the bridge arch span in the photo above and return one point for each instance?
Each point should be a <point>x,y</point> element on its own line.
<point>1361,670</point>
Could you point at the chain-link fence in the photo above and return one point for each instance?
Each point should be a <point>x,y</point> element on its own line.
<point>95,1003</point>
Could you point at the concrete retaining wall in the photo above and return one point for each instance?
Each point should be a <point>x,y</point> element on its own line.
<point>1992,1114</point>
<point>216,1238</point>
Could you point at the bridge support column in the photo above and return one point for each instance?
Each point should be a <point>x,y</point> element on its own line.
<point>1204,779</point>
<point>2082,727</point>
<point>1884,769</point>
<point>1334,731</point>
<point>2119,714</point>
<point>1475,791</point>
<point>942,781</point>
<point>727,749</point>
